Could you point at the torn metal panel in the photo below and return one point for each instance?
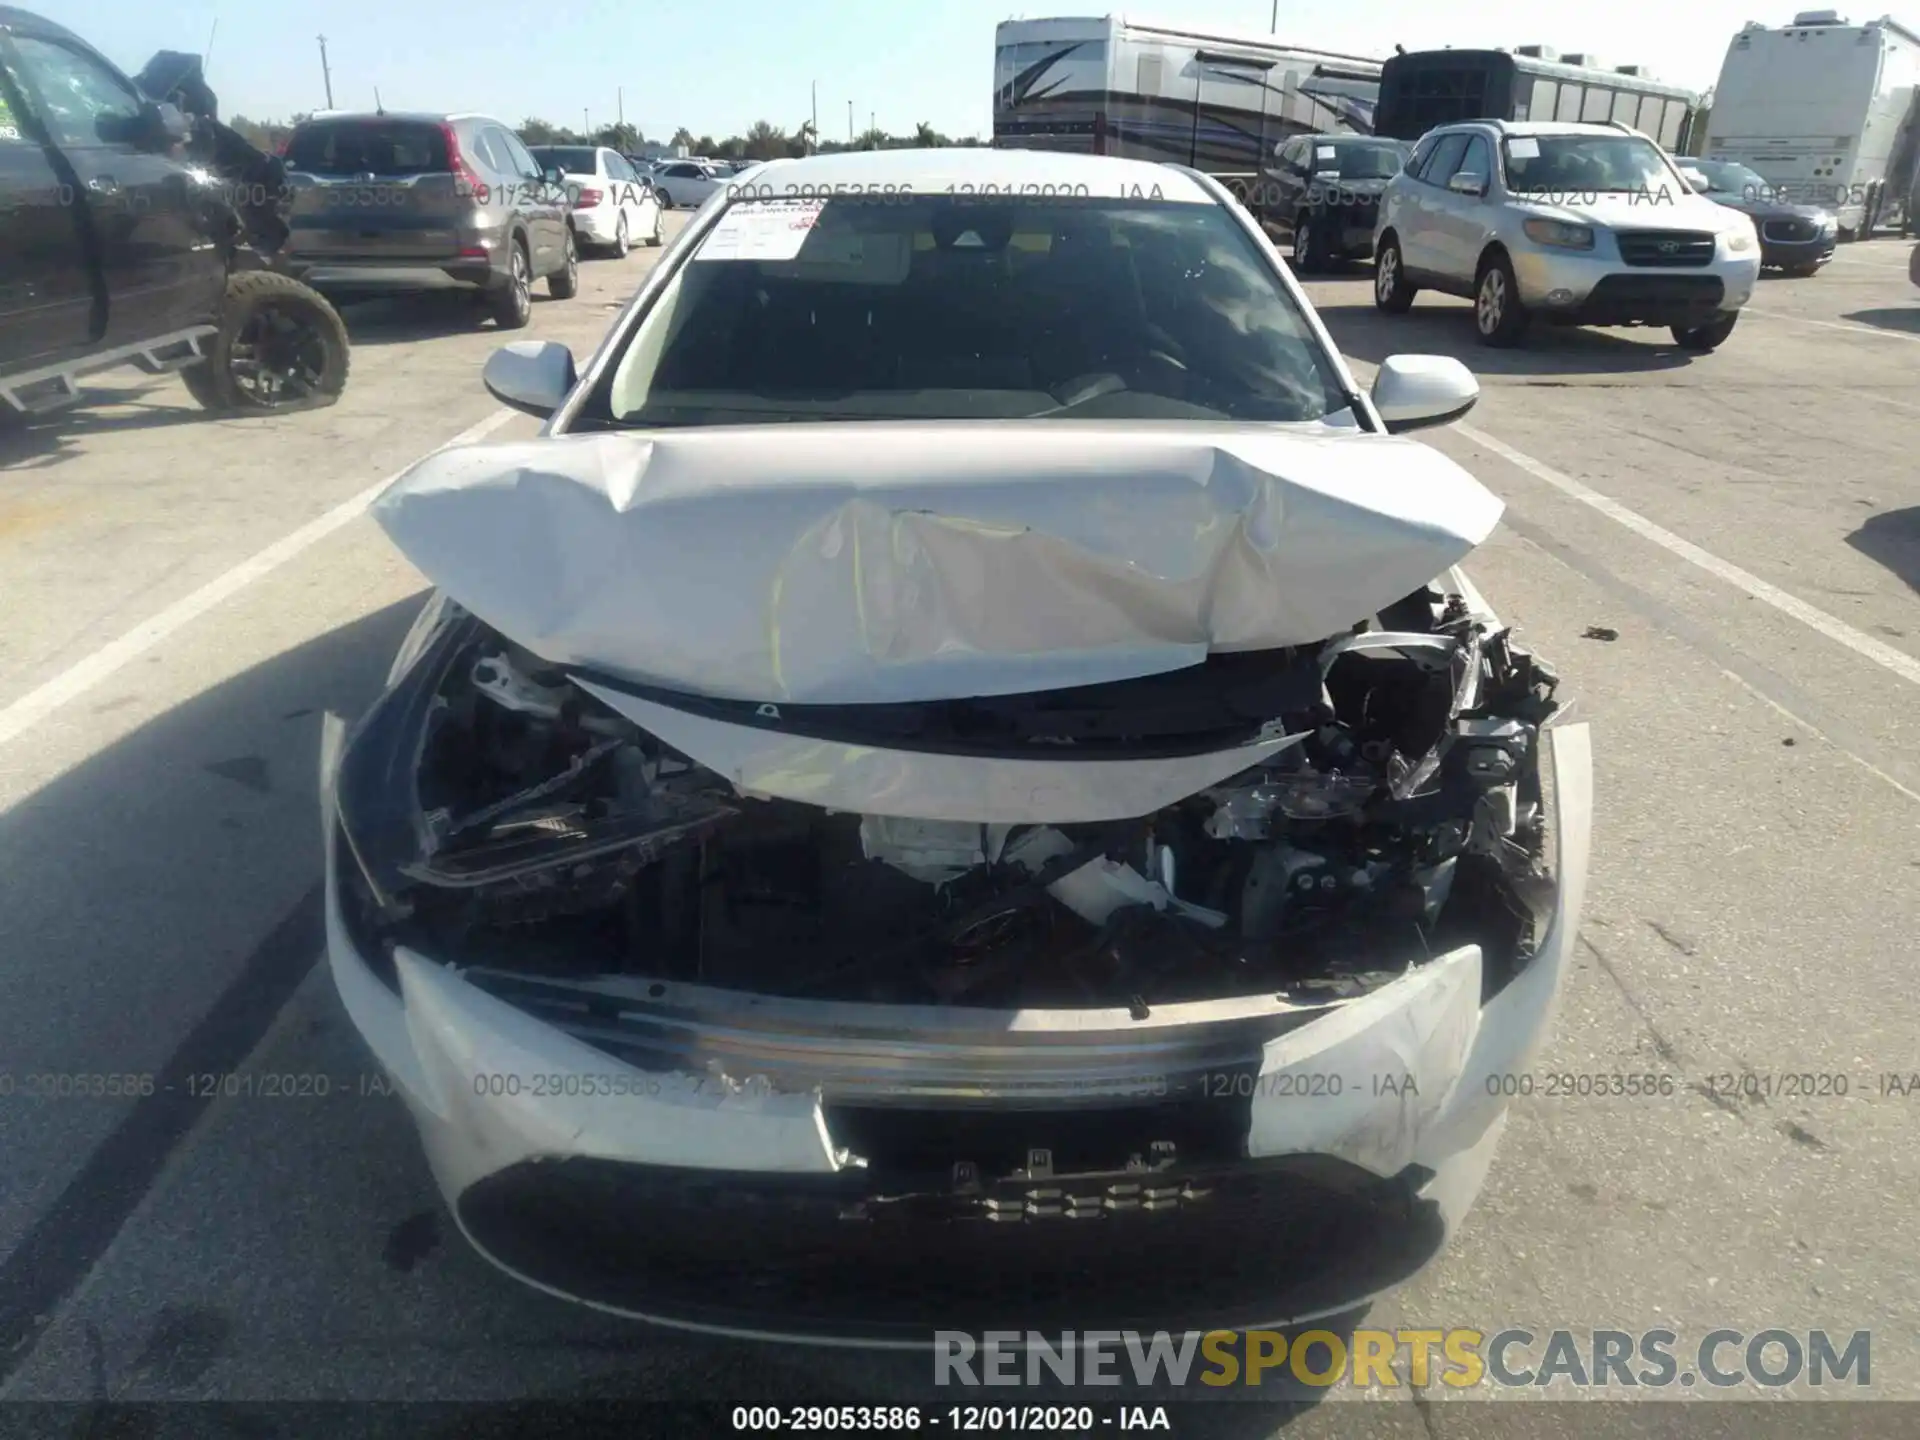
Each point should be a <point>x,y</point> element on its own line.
<point>785,564</point>
<point>1367,1082</point>
<point>917,785</point>
<point>469,1044</point>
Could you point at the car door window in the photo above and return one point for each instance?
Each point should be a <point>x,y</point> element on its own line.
<point>81,100</point>
<point>1477,159</point>
<point>1444,160</point>
<point>521,157</point>
<point>491,154</point>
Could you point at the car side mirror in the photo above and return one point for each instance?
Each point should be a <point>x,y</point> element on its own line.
<point>1412,392</point>
<point>1465,182</point>
<point>158,127</point>
<point>532,376</point>
<point>554,175</point>
<point>1696,181</point>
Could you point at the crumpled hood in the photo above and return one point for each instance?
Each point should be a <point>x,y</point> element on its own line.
<point>884,562</point>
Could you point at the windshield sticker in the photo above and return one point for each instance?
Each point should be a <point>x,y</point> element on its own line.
<point>1523,147</point>
<point>761,230</point>
<point>1324,152</point>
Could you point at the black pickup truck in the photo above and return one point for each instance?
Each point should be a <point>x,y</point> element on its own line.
<point>136,229</point>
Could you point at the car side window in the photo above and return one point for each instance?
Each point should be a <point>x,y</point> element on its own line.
<point>489,153</point>
<point>1444,160</point>
<point>81,101</point>
<point>522,158</point>
<point>1419,156</point>
<point>1477,159</point>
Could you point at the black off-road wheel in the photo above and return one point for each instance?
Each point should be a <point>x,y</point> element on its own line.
<point>281,346</point>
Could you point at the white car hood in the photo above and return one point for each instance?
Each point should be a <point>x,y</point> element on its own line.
<point>1677,208</point>
<point>883,562</point>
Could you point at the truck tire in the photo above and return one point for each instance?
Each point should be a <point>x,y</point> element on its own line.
<point>280,347</point>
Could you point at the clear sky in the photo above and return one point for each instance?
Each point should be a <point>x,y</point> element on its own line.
<point>717,66</point>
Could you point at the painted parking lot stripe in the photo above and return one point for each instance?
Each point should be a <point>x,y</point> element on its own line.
<point>1897,661</point>
<point>1911,337</point>
<point>37,704</point>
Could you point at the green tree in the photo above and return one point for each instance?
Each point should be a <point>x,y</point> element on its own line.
<point>925,137</point>
<point>622,137</point>
<point>764,141</point>
<point>535,131</point>
<point>683,136</point>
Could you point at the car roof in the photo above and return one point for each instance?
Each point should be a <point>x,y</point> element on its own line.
<point>987,171</point>
<point>1537,127</point>
<point>425,117</point>
<point>28,23</point>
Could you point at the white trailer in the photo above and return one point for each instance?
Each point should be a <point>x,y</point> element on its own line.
<point>1826,110</point>
<point>1219,101</point>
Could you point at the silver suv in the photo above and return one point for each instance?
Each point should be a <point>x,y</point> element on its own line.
<point>1578,224</point>
<point>387,203</point>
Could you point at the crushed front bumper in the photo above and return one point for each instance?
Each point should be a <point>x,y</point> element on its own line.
<point>621,1142</point>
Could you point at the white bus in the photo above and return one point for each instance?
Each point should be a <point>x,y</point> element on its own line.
<point>1220,102</point>
<point>1826,111</point>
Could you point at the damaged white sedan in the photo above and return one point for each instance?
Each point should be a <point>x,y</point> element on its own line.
<point>957,785</point>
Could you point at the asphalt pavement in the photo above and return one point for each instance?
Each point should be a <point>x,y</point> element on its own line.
<point>1720,553</point>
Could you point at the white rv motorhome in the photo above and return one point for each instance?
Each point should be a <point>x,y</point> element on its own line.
<point>1217,101</point>
<point>1826,110</point>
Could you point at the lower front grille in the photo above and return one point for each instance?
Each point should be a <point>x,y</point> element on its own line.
<point>1665,247</point>
<point>1789,231</point>
<point>860,1257</point>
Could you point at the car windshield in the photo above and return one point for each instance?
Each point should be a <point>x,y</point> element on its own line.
<point>1726,178</point>
<point>574,159</point>
<point>367,147</point>
<point>1359,159</point>
<point>951,309</point>
<point>1538,164</point>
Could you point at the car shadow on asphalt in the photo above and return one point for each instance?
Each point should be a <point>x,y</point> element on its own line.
<point>41,441</point>
<point>1905,321</point>
<point>1892,539</point>
<point>404,319</point>
<point>1365,333</point>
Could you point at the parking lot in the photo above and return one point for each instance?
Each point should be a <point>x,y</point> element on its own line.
<point>1720,553</point>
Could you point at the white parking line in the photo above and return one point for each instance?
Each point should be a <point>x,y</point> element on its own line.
<point>77,679</point>
<point>1851,328</point>
<point>1897,661</point>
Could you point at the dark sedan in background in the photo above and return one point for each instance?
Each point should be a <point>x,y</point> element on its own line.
<point>1798,239</point>
<point>1321,195</point>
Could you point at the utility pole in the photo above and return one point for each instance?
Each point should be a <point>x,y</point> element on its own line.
<point>816,109</point>
<point>585,123</point>
<point>1274,28</point>
<point>620,100</point>
<point>326,73</point>
<point>849,122</point>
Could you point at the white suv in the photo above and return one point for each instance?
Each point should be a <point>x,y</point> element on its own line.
<point>1578,224</point>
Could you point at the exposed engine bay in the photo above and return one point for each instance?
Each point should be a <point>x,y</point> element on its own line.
<point>504,818</point>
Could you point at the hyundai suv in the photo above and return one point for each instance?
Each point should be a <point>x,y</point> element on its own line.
<point>1577,224</point>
